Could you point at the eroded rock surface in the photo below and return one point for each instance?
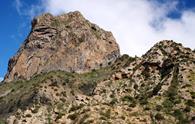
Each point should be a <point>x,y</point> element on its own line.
<point>158,87</point>
<point>67,42</point>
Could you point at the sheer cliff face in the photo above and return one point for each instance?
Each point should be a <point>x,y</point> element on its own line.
<point>67,42</point>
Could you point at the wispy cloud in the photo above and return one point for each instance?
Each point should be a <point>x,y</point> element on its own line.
<point>18,5</point>
<point>136,24</point>
<point>30,11</point>
<point>27,13</point>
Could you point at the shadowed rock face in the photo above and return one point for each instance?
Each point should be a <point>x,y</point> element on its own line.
<point>67,42</point>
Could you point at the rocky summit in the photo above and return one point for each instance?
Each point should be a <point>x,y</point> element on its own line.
<point>46,85</point>
<point>67,42</point>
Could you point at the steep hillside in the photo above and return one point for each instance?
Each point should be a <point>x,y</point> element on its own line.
<point>157,88</point>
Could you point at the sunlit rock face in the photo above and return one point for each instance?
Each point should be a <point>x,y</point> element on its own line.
<point>67,42</point>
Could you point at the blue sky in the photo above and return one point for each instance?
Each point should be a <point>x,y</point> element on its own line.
<point>13,32</point>
<point>137,25</point>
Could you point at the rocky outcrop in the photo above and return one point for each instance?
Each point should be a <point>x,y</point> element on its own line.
<point>67,42</point>
<point>158,87</point>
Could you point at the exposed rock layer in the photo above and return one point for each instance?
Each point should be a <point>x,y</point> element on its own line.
<point>67,42</point>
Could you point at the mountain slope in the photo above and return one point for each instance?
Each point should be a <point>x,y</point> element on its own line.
<point>158,87</point>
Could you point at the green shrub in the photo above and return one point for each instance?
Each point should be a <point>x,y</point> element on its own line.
<point>156,89</point>
<point>76,107</point>
<point>178,114</point>
<point>113,101</point>
<point>187,109</point>
<point>190,103</point>
<point>167,104</point>
<point>135,86</point>
<point>172,92</point>
<point>192,95</point>
<point>73,116</point>
<point>143,100</point>
<point>159,107</point>
<point>88,88</point>
<point>159,117</point>
<point>28,115</point>
<point>127,98</point>
<point>132,104</point>
<point>59,116</point>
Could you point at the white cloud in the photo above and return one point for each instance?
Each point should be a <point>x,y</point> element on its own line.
<point>136,24</point>
<point>1,79</point>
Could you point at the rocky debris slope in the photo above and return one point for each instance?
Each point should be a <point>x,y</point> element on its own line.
<point>158,87</point>
<point>67,42</point>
